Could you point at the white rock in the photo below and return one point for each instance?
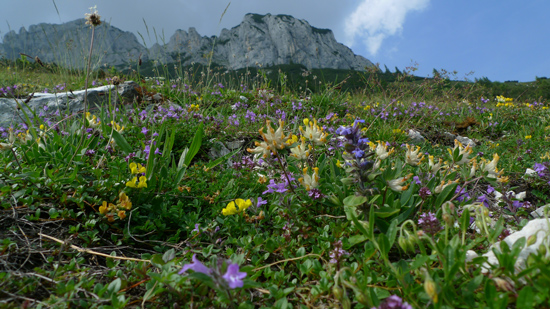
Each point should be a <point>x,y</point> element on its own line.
<point>539,212</point>
<point>530,172</point>
<point>538,227</point>
<point>416,137</point>
<point>470,255</point>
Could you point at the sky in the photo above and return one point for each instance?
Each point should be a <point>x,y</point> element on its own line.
<point>498,39</point>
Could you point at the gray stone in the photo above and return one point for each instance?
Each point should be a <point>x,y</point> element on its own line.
<point>416,137</point>
<point>536,232</point>
<point>65,102</point>
<point>541,212</point>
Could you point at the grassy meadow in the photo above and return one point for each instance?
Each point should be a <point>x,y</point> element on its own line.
<point>318,197</point>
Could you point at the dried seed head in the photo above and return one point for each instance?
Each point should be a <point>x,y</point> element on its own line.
<point>39,61</point>
<point>93,19</point>
<point>115,80</point>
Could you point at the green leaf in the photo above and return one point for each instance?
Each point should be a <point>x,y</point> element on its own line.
<point>392,232</point>
<point>385,212</point>
<point>525,298</point>
<point>356,239</point>
<point>121,142</point>
<point>168,145</point>
<point>222,159</point>
<point>444,195</point>
<point>169,255</point>
<point>195,145</point>
<point>354,200</point>
<point>114,286</point>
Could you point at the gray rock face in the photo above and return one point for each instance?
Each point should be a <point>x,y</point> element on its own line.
<point>68,44</point>
<point>258,40</point>
<point>266,40</point>
<point>64,102</point>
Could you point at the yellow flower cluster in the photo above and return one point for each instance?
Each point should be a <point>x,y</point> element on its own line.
<point>237,206</point>
<point>110,209</point>
<point>117,127</point>
<point>137,168</point>
<point>193,107</point>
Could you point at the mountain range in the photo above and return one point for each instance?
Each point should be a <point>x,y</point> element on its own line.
<point>259,40</point>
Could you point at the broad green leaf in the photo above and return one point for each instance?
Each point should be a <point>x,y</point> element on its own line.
<point>195,145</point>
<point>354,200</point>
<point>121,142</point>
<point>444,195</point>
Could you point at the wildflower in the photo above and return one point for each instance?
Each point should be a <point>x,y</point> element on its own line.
<point>231,208</point>
<point>430,288</point>
<point>260,202</point>
<point>135,184</point>
<point>301,152</point>
<point>144,130</point>
<point>313,132</point>
<point>234,277</point>
<point>413,157</point>
<point>382,150</point>
<point>93,19</point>
<point>394,302</point>
<point>261,147</point>
<point>137,168</point>
<point>463,151</point>
<point>540,168</point>
<point>117,127</point>
<point>337,252</point>
<point>103,208</point>
<point>275,138</point>
<point>196,266</point>
<point>124,201</point>
<point>92,120</point>
<point>424,192</point>
<point>443,185</point>
<point>158,152</point>
<point>397,184</point>
<point>122,214</point>
<point>491,167</point>
<point>473,168</point>
<point>276,187</point>
<point>315,194</point>
<point>310,182</point>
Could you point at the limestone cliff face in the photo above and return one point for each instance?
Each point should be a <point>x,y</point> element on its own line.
<point>258,40</point>
<point>68,44</point>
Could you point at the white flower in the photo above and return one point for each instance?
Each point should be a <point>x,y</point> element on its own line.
<point>464,151</point>
<point>313,132</point>
<point>382,151</point>
<point>443,185</point>
<point>261,147</point>
<point>310,182</point>
<point>491,167</point>
<point>301,151</point>
<point>413,157</point>
<point>434,167</point>
<point>397,184</point>
<point>275,138</point>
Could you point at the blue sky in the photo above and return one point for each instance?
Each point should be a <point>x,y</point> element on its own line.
<point>498,39</point>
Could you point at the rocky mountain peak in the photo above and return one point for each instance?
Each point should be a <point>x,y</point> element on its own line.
<point>258,40</point>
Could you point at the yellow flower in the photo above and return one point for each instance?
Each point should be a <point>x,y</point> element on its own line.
<point>142,182</point>
<point>491,167</point>
<point>443,185</point>
<point>103,208</point>
<point>413,157</point>
<point>132,183</point>
<point>137,168</point>
<point>338,163</point>
<point>528,137</point>
<point>124,201</point>
<point>117,127</point>
<point>231,208</point>
<point>122,214</point>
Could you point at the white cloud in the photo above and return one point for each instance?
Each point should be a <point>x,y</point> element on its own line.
<point>374,20</point>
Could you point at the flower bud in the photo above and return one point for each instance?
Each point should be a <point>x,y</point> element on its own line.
<point>532,240</point>
<point>338,292</point>
<point>430,288</point>
<point>362,298</point>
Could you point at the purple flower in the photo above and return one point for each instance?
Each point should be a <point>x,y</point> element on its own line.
<point>157,152</point>
<point>540,168</point>
<point>394,302</point>
<point>429,223</point>
<point>490,189</point>
<point>197,228</point>
<point>260,202</point>
<point>417,180</point>
<point>144,130</point>
<point>234,277</point>
<point>196,266</point>
<point>155,134</point>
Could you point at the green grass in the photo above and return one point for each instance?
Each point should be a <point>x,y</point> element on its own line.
<point>76,233</point>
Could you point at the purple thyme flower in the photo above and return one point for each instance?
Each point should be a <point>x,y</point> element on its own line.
<point>429,223</point>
